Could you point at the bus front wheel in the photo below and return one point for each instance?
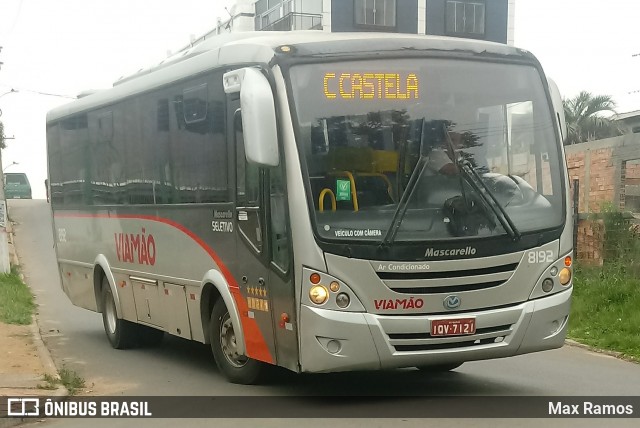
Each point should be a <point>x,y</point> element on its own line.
<point>121,333</point>
<point>235,367</point>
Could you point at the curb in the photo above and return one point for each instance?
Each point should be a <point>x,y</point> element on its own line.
<point>45,358</point>
<point>614,354</point>
<point>47,362</point>
<point>43,353</point>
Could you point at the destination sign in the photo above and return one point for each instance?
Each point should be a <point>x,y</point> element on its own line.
<point>370,86</point>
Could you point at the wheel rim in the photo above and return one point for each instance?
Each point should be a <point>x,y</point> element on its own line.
<point>228,343</point>
<point>110,314</point>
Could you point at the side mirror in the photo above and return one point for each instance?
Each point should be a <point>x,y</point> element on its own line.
<point>258,114</point>
<point>556,99</point>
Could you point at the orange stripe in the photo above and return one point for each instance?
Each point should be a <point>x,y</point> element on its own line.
<point>255,344</point>
<point>254,341</point>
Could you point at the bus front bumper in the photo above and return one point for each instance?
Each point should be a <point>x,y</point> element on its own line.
<point>340,341</point>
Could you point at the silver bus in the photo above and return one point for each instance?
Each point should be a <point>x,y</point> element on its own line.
<point>320,202</point>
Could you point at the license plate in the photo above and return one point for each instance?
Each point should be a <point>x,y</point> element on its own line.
<point>453,327</point>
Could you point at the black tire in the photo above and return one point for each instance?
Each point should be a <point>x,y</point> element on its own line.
<point>122,334</point>
<point>439,368</point>
<point>236,368</point>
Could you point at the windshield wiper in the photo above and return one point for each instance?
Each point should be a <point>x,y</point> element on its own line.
<point>403,204</point>
<point>466,168</point>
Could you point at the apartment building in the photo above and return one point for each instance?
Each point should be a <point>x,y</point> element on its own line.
<point>490,20</point>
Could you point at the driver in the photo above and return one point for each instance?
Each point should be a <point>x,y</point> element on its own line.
<point>441,158</point>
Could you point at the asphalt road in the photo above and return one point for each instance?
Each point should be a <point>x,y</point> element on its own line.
<point>77,341</point>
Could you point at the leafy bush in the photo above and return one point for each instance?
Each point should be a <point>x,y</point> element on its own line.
<point>620,239</point>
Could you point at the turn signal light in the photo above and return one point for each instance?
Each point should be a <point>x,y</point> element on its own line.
<point>314,278</point>
<point>567,261</point>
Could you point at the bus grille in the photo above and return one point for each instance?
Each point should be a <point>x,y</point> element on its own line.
<point>411,342</point>
<point>448,281</point>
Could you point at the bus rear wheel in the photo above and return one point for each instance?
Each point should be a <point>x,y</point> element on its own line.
<point>235,367</point>
<point>122,334</point>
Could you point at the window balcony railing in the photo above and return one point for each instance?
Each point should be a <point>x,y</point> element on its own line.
<point>296,21</point>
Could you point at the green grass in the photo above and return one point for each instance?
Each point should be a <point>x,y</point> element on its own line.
<point>16,300</point>
<point>605,311</point>
<point>69,378</point>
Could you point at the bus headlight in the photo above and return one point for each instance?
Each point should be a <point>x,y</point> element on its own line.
<point>324,291</point>
<point>318,294</point>
<point>565,276</point>
<point>547,285</point>
<point>343,300</point>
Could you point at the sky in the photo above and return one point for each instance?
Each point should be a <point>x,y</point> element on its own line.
<point>55,49</point>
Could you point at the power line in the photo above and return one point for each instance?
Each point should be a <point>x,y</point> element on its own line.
<point>636,55</point>
<point>42,93</point>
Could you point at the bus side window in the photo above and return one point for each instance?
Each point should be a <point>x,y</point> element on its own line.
<point>279,219</point>
<point>248,184</point>
<point>247,190</point>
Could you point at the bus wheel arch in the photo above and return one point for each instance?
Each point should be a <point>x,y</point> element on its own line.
<point>234,365</point>
<point>98,275</point>
<point>214,288</point>
<point>122,334</point>
<point>102,270</point>
<point>208,298</point>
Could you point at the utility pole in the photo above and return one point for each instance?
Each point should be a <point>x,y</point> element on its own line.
<point>5,262</point>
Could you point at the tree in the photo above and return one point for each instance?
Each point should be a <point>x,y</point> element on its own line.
<point>585,122</point>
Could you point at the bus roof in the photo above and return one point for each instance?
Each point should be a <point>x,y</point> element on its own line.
<point>261,46</point>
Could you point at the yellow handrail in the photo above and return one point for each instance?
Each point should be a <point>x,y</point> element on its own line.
<point>333,199</point>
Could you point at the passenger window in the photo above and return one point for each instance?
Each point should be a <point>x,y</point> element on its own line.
<point>195,104</point>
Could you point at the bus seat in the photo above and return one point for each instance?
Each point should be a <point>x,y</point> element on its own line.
<point>373,189</point>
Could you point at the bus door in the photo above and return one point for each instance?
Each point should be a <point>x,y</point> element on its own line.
<point>251,267</point>
<point>263,262</point>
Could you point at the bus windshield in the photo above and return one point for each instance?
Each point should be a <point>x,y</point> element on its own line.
<point>430,149</point>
